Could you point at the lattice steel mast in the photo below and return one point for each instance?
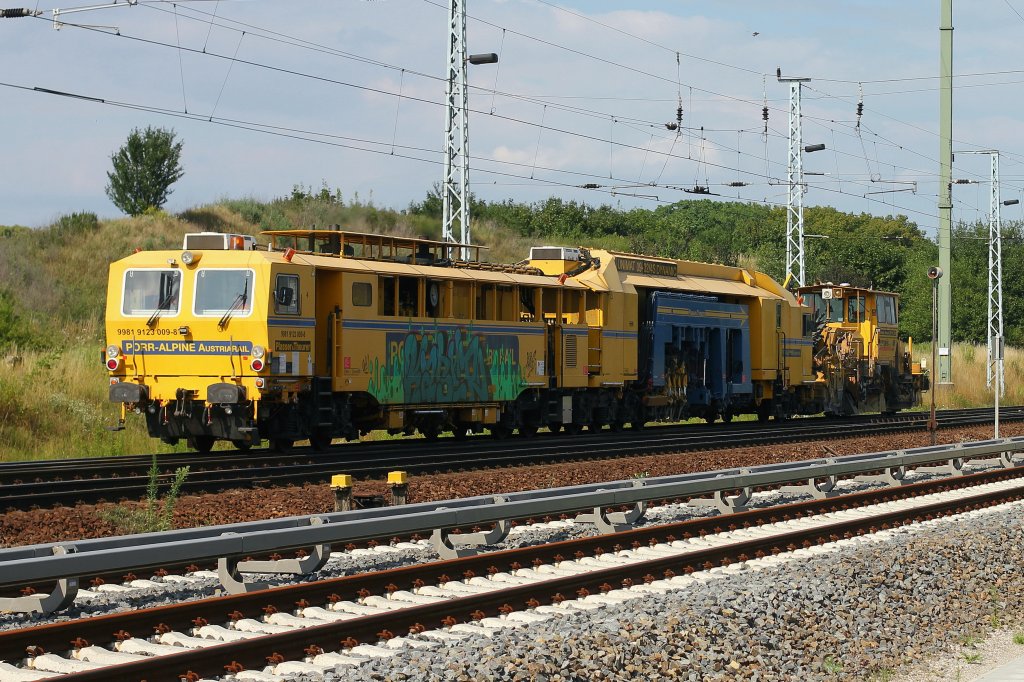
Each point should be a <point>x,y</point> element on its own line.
<point>455,188</point>
<point>994,360</point>
<point>795,194</point>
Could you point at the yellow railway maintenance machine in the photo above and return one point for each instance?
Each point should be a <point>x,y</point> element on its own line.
<point>337,333</point>
<point>330,334</point>
<point>691,339</point>
<point>859,357</point>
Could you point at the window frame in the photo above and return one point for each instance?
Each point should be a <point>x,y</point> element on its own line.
<point>369,288</point>
<point>296,300</point>
<point>166,312</point>
<point>861,307</point>
<point>387,288</point>
<point>886,303</point>
<point>241,312</point>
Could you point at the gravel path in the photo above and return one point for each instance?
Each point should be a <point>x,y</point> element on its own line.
<point>971,661</point>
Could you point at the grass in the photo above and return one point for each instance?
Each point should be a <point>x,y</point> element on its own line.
<point>832,666</point>
<point>1018,638</point>
<point>970,641</point>
<point>968,388</point>
<point>53,405</point>
<point>995,619</point>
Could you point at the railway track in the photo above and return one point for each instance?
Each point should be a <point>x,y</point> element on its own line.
<point>27,485</point>
<point>313,627</point>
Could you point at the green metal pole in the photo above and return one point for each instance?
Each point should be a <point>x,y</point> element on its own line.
<point>945,368</point>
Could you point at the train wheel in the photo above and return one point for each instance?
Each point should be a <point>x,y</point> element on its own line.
<point>281,445</point>
<point>528,431</point>
<point>460,433</point>
<point>637,425</point>
<point>243,445</point>
<point>319,441</point>
<point>500,431</point>
<point>554,429</point>
<point>727,417</point>
<point>617,426</point>
<point>430,432</point>
<point>203,443</point>
<point>573,429</point>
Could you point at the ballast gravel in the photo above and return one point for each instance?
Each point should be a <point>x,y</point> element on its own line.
<point>869,608</point>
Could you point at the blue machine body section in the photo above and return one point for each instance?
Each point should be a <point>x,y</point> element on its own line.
<point>698,347</point>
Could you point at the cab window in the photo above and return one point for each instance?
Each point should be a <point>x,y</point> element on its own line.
<point>408,296</point>
<point>855,309</point>
<point>834,310</point>
<point>362,294</point>
<point>286,295</point>
<point>809,326</point>
<point>828,309</point>
<point>220,291</point>
<point>388,296</point>
<point>145,291</point>
<point>886,309</point>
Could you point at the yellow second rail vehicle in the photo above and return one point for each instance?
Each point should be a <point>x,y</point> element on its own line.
<point>859,357</point>
<point>330,334</point>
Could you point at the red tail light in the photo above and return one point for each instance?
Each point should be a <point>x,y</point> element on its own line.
<point>113,363</point>
<point>257,365</point>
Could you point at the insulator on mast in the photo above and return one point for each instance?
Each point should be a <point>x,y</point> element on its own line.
<point>860,103</point>
<point>764,109</point>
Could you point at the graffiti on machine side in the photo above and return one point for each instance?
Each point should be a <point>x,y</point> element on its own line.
<point>438,366</point>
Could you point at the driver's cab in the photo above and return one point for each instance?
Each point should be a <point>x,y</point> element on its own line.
<point>872,316</point>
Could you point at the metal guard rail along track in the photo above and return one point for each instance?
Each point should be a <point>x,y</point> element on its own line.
<point>228,544</point>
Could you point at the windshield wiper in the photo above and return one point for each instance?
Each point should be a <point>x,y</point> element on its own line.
<point>238,303</point>
<point>161,306</point>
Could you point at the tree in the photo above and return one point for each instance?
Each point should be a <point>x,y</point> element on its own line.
<point>145,167</point>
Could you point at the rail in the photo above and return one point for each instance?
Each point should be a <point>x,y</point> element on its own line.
<point>65,561</point>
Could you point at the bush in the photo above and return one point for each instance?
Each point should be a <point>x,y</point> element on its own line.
<point>75,224</point>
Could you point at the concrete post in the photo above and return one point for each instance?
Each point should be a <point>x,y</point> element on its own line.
<point>341,484</point>
<point>399,487</point>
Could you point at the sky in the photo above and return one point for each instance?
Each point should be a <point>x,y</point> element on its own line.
<point>350,93</point>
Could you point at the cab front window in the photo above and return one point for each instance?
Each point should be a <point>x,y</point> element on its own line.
<point>221,291</point>
<point>828,309</point>
<point>147,291</point>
